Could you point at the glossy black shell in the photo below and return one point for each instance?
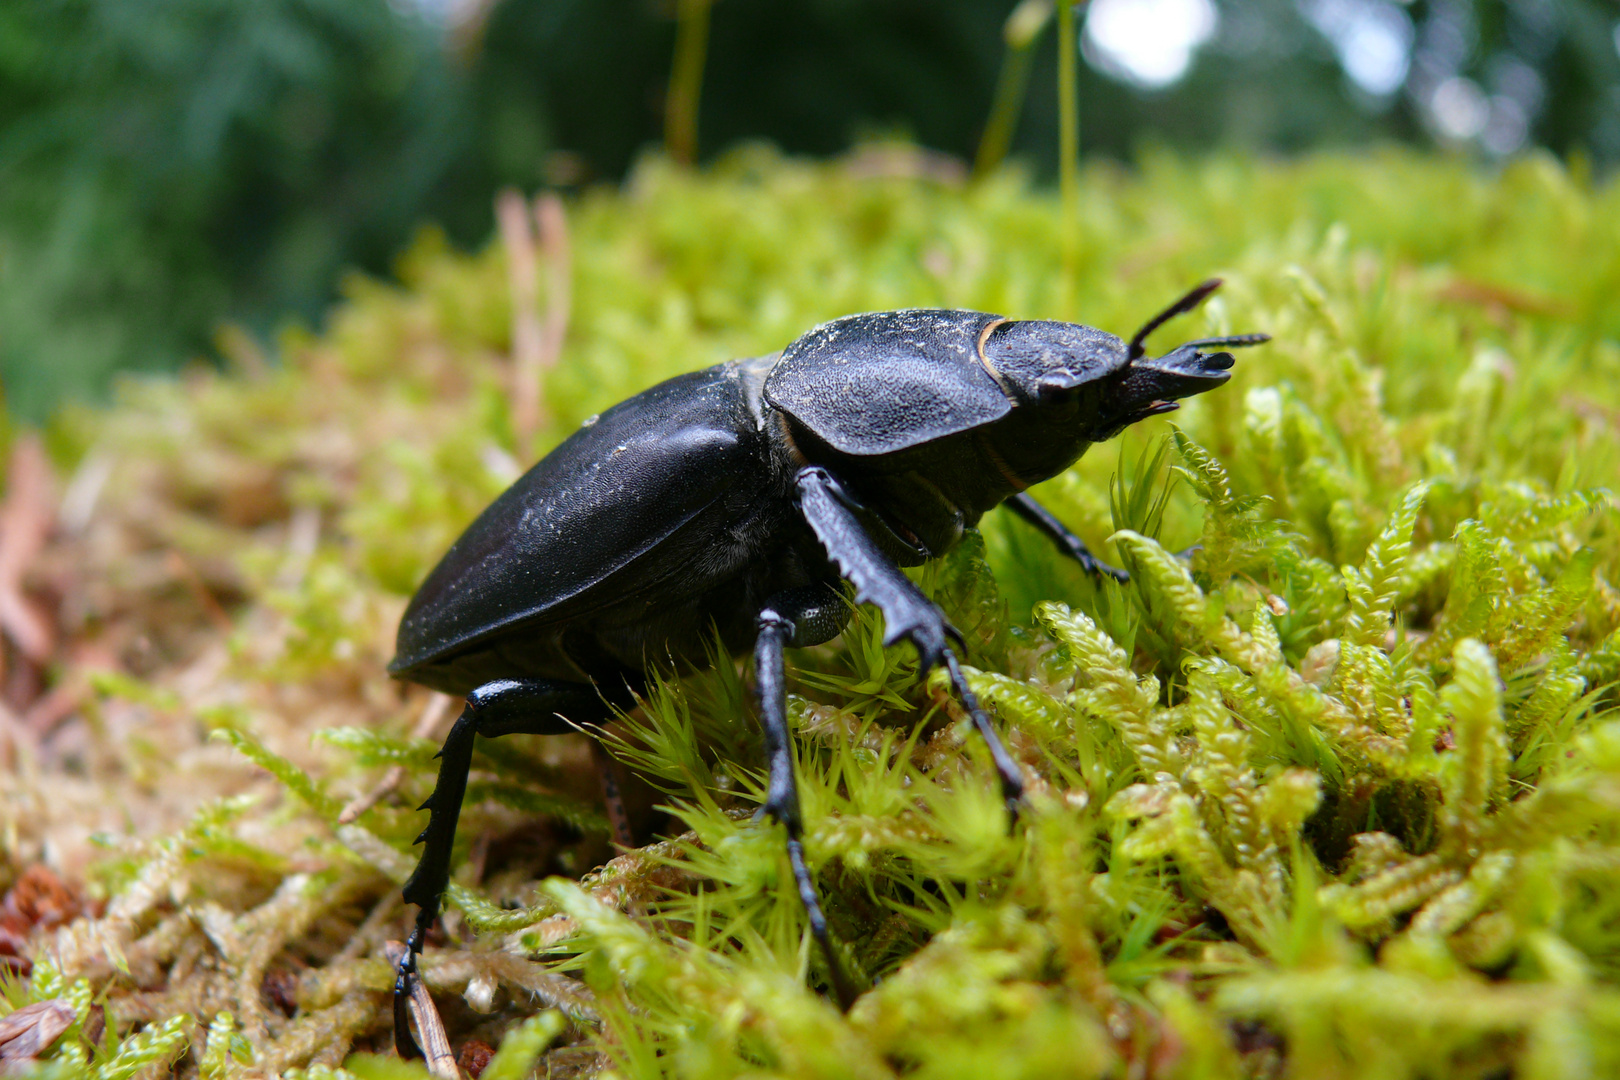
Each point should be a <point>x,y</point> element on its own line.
<point>670,512</point>
<point>614,545</point>
<point>879,383</point>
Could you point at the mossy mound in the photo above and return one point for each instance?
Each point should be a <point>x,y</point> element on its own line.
<point>1339,797</point>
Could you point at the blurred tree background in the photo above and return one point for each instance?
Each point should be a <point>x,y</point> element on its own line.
<point>169,167</point>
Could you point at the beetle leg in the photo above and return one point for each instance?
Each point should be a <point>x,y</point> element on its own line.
<point>800,617</point>
<point>906,611</point>
<point>502,707</point>
<point>1071,545</point>
<point>612,797</point>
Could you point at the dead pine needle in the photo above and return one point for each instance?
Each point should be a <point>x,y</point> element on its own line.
<point>536,342</point>
<point>437,708</point>
<point>26,518</point>
<point>522,273</point>
<point>552,219</point>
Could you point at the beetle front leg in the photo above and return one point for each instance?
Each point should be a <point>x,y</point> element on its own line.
<point>800,617</point>
<point>503,707</point>
<point>907,613</point>
<point>1071,545</point>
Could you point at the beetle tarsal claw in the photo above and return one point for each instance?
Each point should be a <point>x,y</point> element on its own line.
<point>403,957</point>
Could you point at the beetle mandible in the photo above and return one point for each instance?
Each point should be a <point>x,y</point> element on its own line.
<point>740,497</point>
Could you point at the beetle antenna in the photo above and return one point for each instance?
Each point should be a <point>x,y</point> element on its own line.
<point>1180,307</point>
<point>1231,341</point>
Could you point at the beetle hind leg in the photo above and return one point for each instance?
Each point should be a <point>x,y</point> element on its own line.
<point>800,617</point>
<point>502,707</point>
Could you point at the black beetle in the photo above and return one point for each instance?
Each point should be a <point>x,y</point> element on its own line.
<point>737,499</point>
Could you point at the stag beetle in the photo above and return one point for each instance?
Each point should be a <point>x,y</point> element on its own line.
<point>738,499</point>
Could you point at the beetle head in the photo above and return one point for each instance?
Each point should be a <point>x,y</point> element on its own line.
<point>1074,385</point>
<point>1146,386</point>
<point>1104,383</point>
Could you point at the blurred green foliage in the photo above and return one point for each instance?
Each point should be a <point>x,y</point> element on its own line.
<point>167,165</point>
<point>170,165</point>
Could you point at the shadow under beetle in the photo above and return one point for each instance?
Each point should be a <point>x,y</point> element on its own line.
<point>740,497</point>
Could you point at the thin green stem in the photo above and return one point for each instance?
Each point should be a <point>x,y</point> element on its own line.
<point>686,80</point>
<point>1023,29</point>
<point>1069,152</point>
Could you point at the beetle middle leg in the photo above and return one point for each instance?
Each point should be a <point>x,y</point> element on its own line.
<point>806,616</point>
<point>502,707</point>
<point>907,613</point>
<point>1071,545</point>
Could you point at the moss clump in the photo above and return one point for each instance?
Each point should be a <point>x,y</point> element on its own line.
<point>1336,797</point>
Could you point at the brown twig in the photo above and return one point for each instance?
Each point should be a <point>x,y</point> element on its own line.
<point>182,569</point>
<point>1503,299</point>
<point>25,522</point>
<point>523,278</point>
<point>56,705</point>
<point>438,707</point>
<point>552,220</point>
<point>16,734</point>
<point>364,938</point>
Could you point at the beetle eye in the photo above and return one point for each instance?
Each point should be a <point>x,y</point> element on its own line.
<point>1060,401</point>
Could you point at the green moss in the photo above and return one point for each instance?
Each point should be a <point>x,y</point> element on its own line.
<point>1338,796</point>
